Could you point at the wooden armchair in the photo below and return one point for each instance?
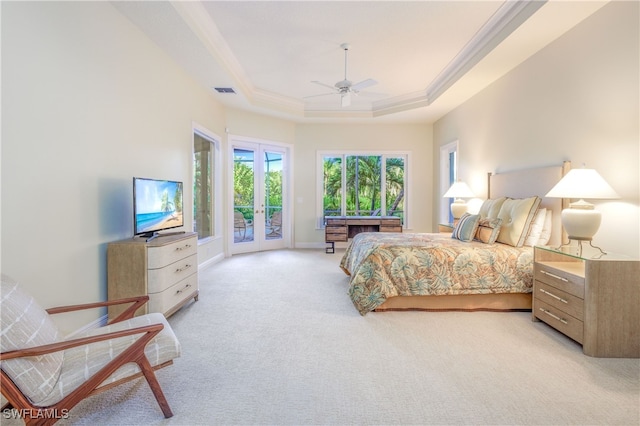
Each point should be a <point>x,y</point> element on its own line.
<point>43,376</point>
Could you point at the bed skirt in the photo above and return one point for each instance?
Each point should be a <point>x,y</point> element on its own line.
<point>459,302</point>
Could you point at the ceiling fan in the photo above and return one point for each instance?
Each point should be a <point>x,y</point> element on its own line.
<point>345,87</point>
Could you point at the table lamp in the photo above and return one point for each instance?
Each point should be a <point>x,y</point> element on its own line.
<point>458,191</point>
<point>581,220</point>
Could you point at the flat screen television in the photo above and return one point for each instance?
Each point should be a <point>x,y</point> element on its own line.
<point>157,206</point>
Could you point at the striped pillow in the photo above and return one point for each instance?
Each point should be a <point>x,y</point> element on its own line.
<point>466,227</point>
<point>488,230</point>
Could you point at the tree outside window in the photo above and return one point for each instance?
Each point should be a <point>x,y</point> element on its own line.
<point>363,185</point>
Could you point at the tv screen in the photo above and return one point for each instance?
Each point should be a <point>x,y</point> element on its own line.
<point>157,205</point>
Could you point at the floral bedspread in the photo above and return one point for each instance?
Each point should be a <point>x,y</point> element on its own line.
<point>383,265</point>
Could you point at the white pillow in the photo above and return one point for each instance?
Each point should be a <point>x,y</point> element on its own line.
<point>545,235</point>
<point>516,215</point>
<point>535,229</point>
<point>491,208</point>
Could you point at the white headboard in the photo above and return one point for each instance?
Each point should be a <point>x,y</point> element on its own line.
<point>530,182</point>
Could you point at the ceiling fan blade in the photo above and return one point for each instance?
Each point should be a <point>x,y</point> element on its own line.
<point>324,85</point>
<point>363,84</point>
<point>368,94</point>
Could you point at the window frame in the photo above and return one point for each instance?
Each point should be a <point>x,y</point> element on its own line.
<point>215,181</point>
<point>448,175</point>
<point>320,156</point>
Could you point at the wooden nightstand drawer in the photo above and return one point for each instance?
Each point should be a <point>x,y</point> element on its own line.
<point>559,320</point>
<point>559,299</point>
<point>570,279</point>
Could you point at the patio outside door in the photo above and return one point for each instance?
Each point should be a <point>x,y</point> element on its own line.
<point>259,177</point>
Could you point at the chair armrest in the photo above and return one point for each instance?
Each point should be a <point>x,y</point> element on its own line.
<point>128,313</point>
<point>61,346</point>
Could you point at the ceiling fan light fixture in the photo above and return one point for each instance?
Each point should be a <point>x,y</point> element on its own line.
<point>345,99</point>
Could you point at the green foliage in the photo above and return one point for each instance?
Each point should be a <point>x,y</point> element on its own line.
<point>363,185</point>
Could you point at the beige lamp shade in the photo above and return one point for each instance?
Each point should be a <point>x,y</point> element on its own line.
<point>458,191</point>
<point>581,220</point>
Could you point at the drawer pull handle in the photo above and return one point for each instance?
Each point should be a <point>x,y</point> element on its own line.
<point>562,320</point>
<point>187,266</point>
<point>186,246</point>
<point>185,288</point>
<point>558,277</point>
<point>553,295</point>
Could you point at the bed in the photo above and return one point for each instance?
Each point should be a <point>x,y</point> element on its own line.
<point>428,271</point>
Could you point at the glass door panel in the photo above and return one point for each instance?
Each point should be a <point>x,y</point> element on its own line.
<point>243,195</point>
<point>258,197</point>
<point>273,174</point>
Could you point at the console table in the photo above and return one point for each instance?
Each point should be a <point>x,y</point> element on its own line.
<point>341,228</point>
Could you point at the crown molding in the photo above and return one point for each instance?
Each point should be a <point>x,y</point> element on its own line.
<point>507,18</point>
<point>510,15</point>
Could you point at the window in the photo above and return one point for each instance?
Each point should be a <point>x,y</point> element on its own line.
<point>448,175</point>
<point>204,160</point>
<point>362,184</point>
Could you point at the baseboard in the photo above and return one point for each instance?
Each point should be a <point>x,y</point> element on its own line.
<point>210,262</point>
<point>320,245</point>
<point>100,322</point>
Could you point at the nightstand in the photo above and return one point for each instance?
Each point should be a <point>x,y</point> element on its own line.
<point>445,227</point>
<point>592,298</point>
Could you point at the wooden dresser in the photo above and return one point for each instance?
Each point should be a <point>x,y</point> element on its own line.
<point>341,228</point>
<point>165,268</point>
<point>592,298</point>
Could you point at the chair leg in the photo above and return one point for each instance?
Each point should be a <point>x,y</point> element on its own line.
<point>147,370</point>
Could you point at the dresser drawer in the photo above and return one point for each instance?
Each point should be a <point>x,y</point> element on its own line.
<point>559,320</point>
<point>390,222</point>
<point>176,294</point>
<point>162,278</point>
<point>335,234</point>
<point>560,278</point>
<point>339,222</point>
<point>559,299</point>
<point>160,256</point>
<point>385,228</point>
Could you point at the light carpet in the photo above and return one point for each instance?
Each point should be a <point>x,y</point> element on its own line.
<point>274,339</point>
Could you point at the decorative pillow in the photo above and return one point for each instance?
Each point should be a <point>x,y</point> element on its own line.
<point>516,215</point>
<point>545,235</point>
<point>491,208</point>
<point>535,229</point>
<point>488,230</point>
<point>466,227</point>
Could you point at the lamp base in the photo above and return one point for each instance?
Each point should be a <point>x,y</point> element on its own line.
<point>458,208</point>
<point>579,246</point>
<point>581,221</point>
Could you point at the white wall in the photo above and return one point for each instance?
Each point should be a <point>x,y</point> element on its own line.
<point>577,99</point>
<point>311,138</point>
<point>88,103</point>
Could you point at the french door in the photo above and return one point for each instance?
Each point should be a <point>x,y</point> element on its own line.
<point>260,214</point>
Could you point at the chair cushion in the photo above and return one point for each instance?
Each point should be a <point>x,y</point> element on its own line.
<point>82,362</point>
<point>26,324</point>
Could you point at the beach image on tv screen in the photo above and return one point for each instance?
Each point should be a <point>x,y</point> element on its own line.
<point>158,205</point>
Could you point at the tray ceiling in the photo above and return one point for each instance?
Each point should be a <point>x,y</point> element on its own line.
<point>426,56</point>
